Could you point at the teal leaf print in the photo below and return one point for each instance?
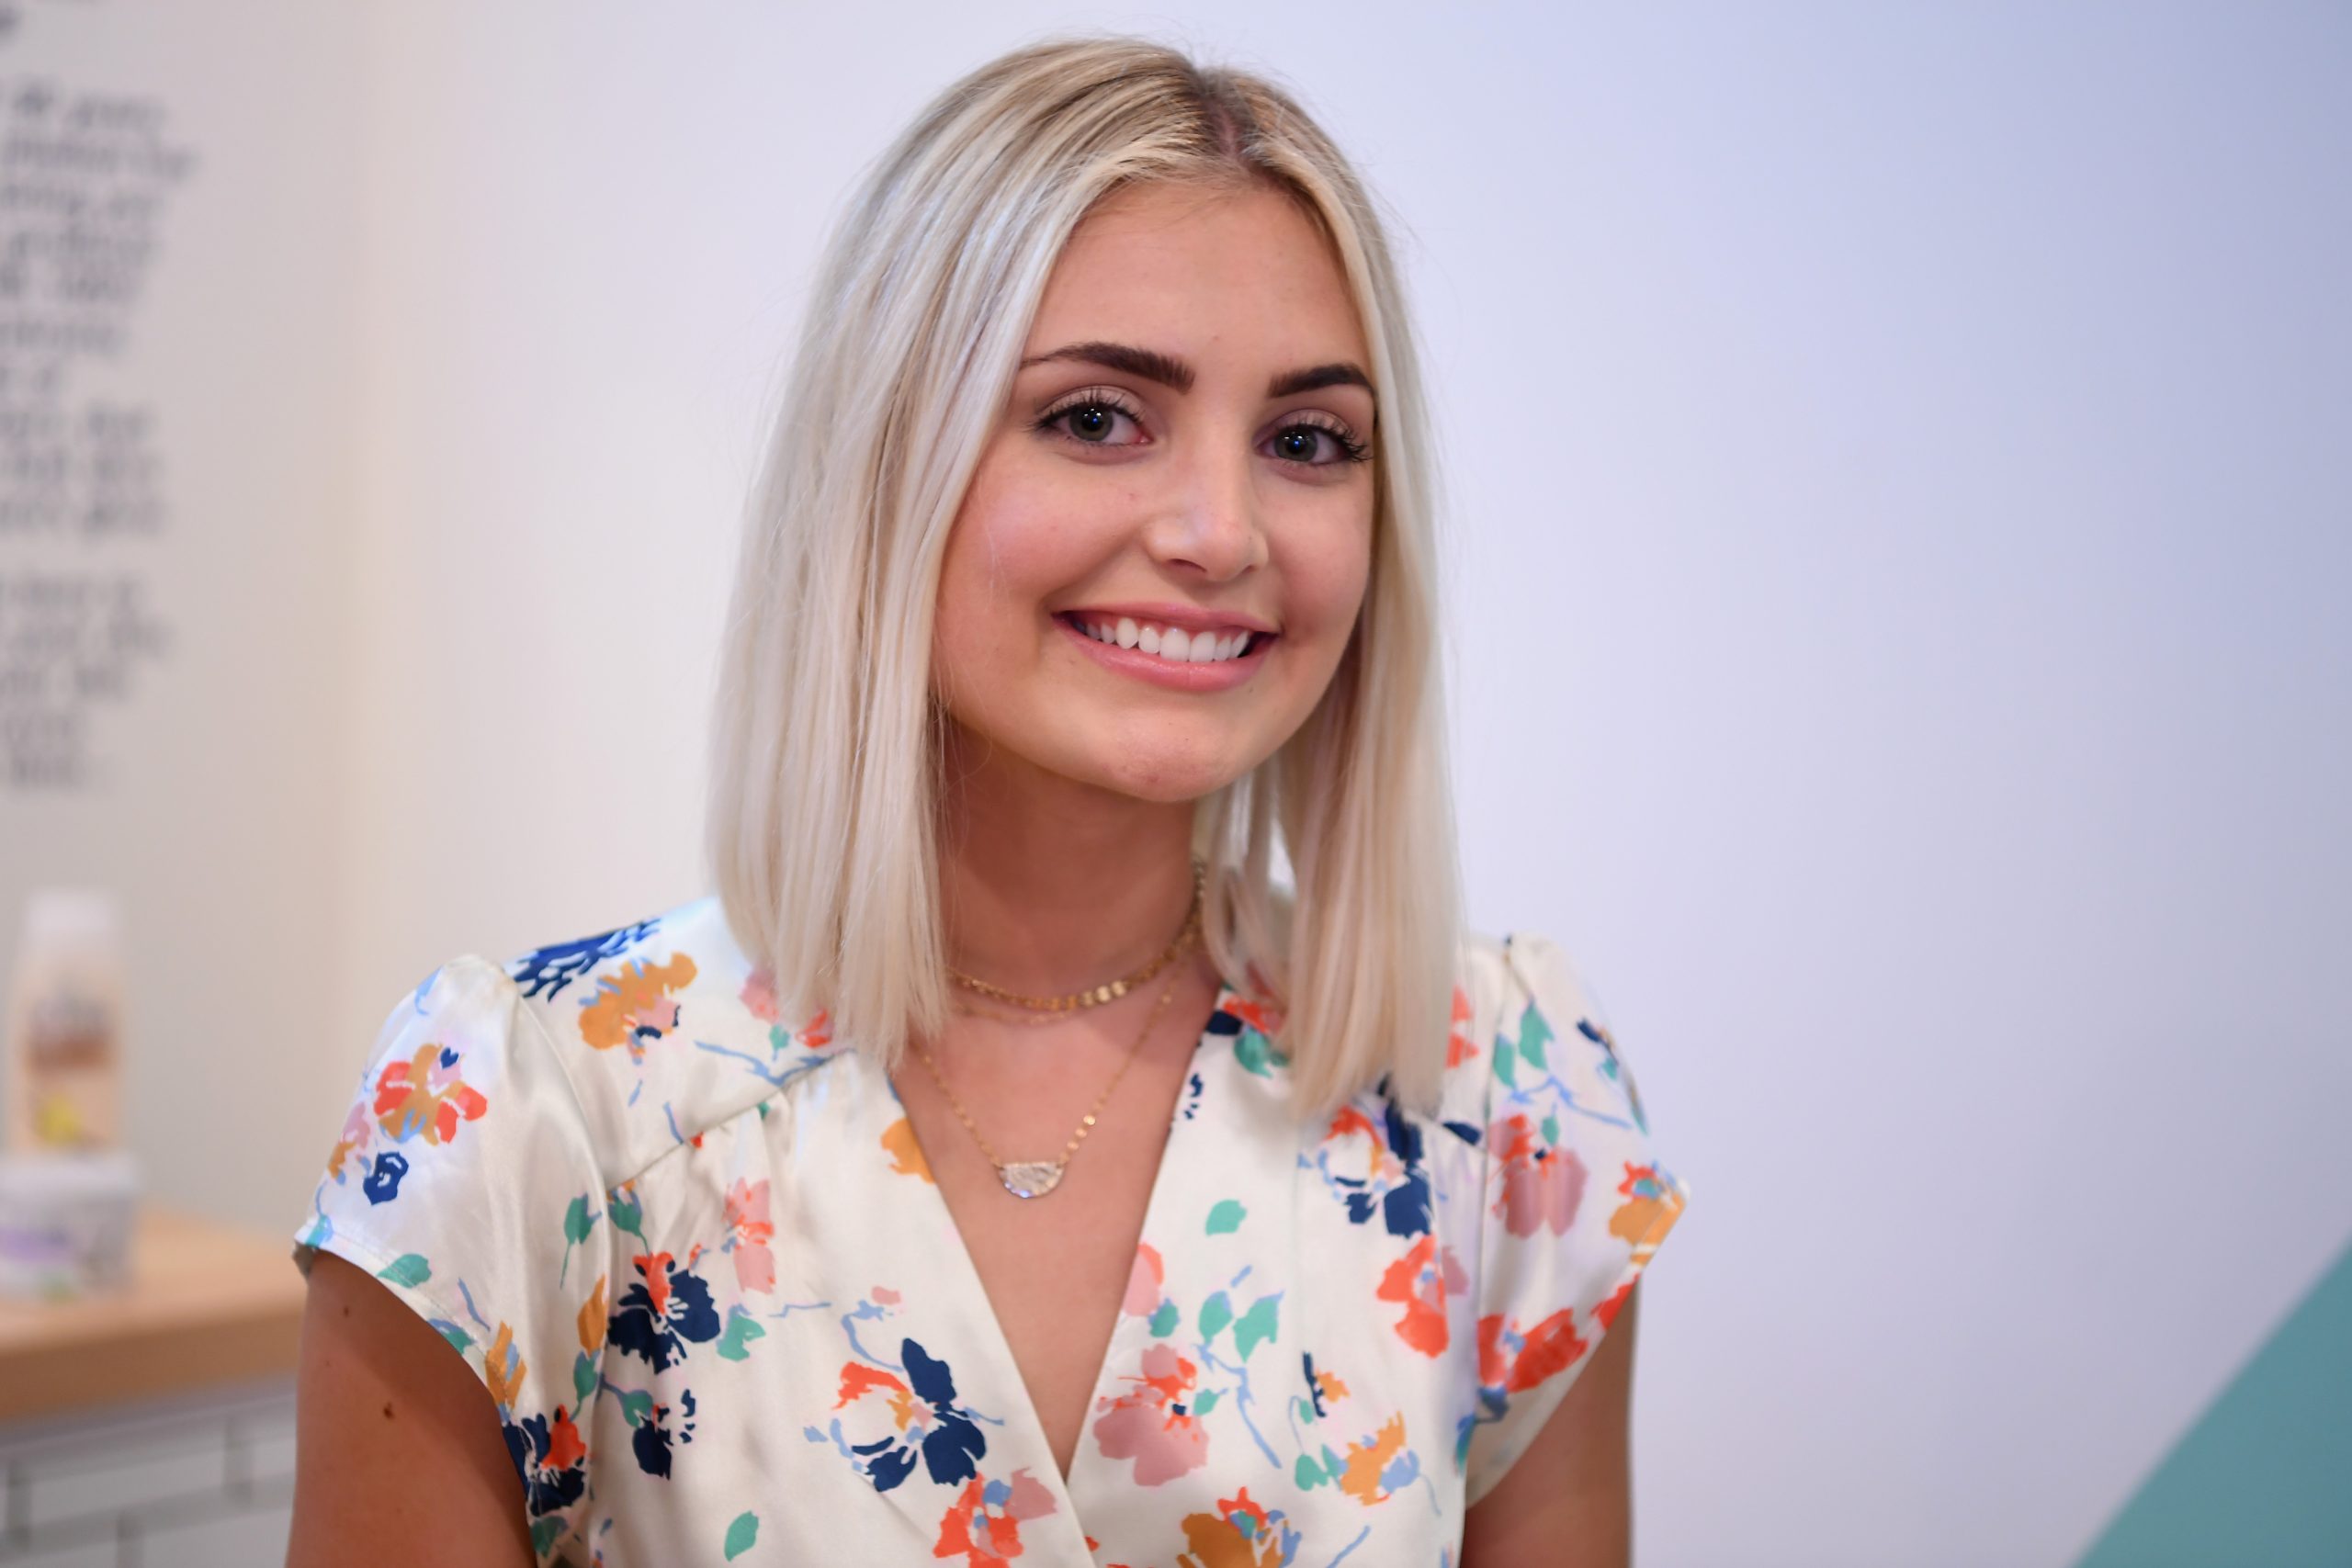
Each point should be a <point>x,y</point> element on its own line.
<point>583,1378</point>
<point>1257,1054</point>
<point>1216,1312</point>
<point>1534,1035</point>
<point>1226,1218</point>
<point>545,1531</point>
<point>742,1535</point>
<point>577,1223</point>
<point>1164,1320</point>
<point>636,1405</point>
<point>735,1345</point>
<point>1257,1326</point>
<point>1308,1474</point>
<point>456,1335</point>
<point>629,1215</point>
<point>1504,1064</point>
<point>1552,1131</point>
<point>1205,1402</point>
<point>408,1268</point>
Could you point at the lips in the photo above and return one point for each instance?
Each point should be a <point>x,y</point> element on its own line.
<point>1187,674</point>
<point>1168,641</point>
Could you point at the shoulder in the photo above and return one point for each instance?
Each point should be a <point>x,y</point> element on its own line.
<point>664,1028</point>
<point>1515,993</point>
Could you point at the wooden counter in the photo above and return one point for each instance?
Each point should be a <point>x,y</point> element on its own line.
<point>206,1304</point>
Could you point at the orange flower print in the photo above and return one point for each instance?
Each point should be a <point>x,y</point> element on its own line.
<point>983,1525</point>
<point>1515,1360</point>
<point>1458,1046</point>
<point>1381,1465</point>
<point>424,1095</point>
<point>1267,1020</point>
<point>1541,1185</point>
<point>749,1232</point>
<point>1606,1313</point>
<point>1650,1211</point>
<point>1241,1534</point>
<point>906,1154</point>
<point>1153,1423</point>
<point>634,1005</point>
<point>591,1321</point>
<point>1421,1281</point>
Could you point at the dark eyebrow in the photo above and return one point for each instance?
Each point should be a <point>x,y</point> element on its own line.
<point>1147,362</point>
<point>1338,375</point>
<point>1170,371</point>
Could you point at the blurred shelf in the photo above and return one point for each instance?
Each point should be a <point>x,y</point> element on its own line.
<point>207,1304</point>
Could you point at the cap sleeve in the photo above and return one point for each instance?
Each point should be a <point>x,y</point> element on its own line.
<point>1576,1203</point>
<point>465,1180</point>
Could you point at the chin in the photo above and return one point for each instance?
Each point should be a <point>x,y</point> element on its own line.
<point>1170,779</point>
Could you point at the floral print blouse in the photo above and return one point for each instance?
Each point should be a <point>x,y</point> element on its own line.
<point>690,1246</point>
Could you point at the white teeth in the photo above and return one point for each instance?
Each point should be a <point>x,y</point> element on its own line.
<point>1171,643</point>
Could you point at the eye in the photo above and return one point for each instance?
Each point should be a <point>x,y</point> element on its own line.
<point>1312,443</point>
<point>1095,417</point>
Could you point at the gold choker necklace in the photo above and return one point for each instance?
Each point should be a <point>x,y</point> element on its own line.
<point>1110,990</point>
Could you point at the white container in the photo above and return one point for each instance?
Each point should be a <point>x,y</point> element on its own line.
<point>66,1223</point>
<point>63,1065</point>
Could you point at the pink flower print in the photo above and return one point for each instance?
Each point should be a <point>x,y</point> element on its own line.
<point>759,994</point>
<point>1541,1185</point>
<point>358,1129</point>
<point>1153,1423</point>
<point>749,1231</point>
<point>1144,1283</point>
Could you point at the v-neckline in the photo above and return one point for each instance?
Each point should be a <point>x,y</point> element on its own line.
<point>1023,1427</point>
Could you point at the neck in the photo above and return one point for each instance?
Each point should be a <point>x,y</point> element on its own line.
<point>1047,885</point>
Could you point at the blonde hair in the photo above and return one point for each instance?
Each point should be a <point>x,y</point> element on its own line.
<point>822,828</point>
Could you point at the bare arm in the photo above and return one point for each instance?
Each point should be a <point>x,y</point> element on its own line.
<point>1567,1503</point>
<point>399,1448</point>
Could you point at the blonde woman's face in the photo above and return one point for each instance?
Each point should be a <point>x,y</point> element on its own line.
<point>1184,467</point>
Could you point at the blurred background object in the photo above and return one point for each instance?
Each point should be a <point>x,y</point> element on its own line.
<point>1900,531</point>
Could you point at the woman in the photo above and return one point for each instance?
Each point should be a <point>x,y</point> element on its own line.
<point>1001,1166</point>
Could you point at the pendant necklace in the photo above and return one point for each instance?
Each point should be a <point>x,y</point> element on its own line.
<point>1035,1178</point>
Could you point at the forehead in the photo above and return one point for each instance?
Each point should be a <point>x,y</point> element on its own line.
<point>1200,271</point>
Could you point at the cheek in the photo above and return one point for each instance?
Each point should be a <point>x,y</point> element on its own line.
<point>1326,566</point>
<point>1014,542</point>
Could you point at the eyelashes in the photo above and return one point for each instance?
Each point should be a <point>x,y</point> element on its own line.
<point>1106,406</point>
<point>1091,399</point>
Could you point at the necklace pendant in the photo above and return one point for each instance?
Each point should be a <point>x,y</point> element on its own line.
<point>1031,1177</point>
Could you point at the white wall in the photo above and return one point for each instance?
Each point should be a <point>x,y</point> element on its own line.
<point>1900,531</point>
<point>219,811</point>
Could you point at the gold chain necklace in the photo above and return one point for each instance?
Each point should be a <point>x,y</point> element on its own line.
<point>1035,1178</point>
<point>1110,990</point>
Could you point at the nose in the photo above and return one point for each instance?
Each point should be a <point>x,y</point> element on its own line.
<point>1210,521</point>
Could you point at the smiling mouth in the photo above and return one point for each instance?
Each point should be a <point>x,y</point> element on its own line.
<point>1171,645</point>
